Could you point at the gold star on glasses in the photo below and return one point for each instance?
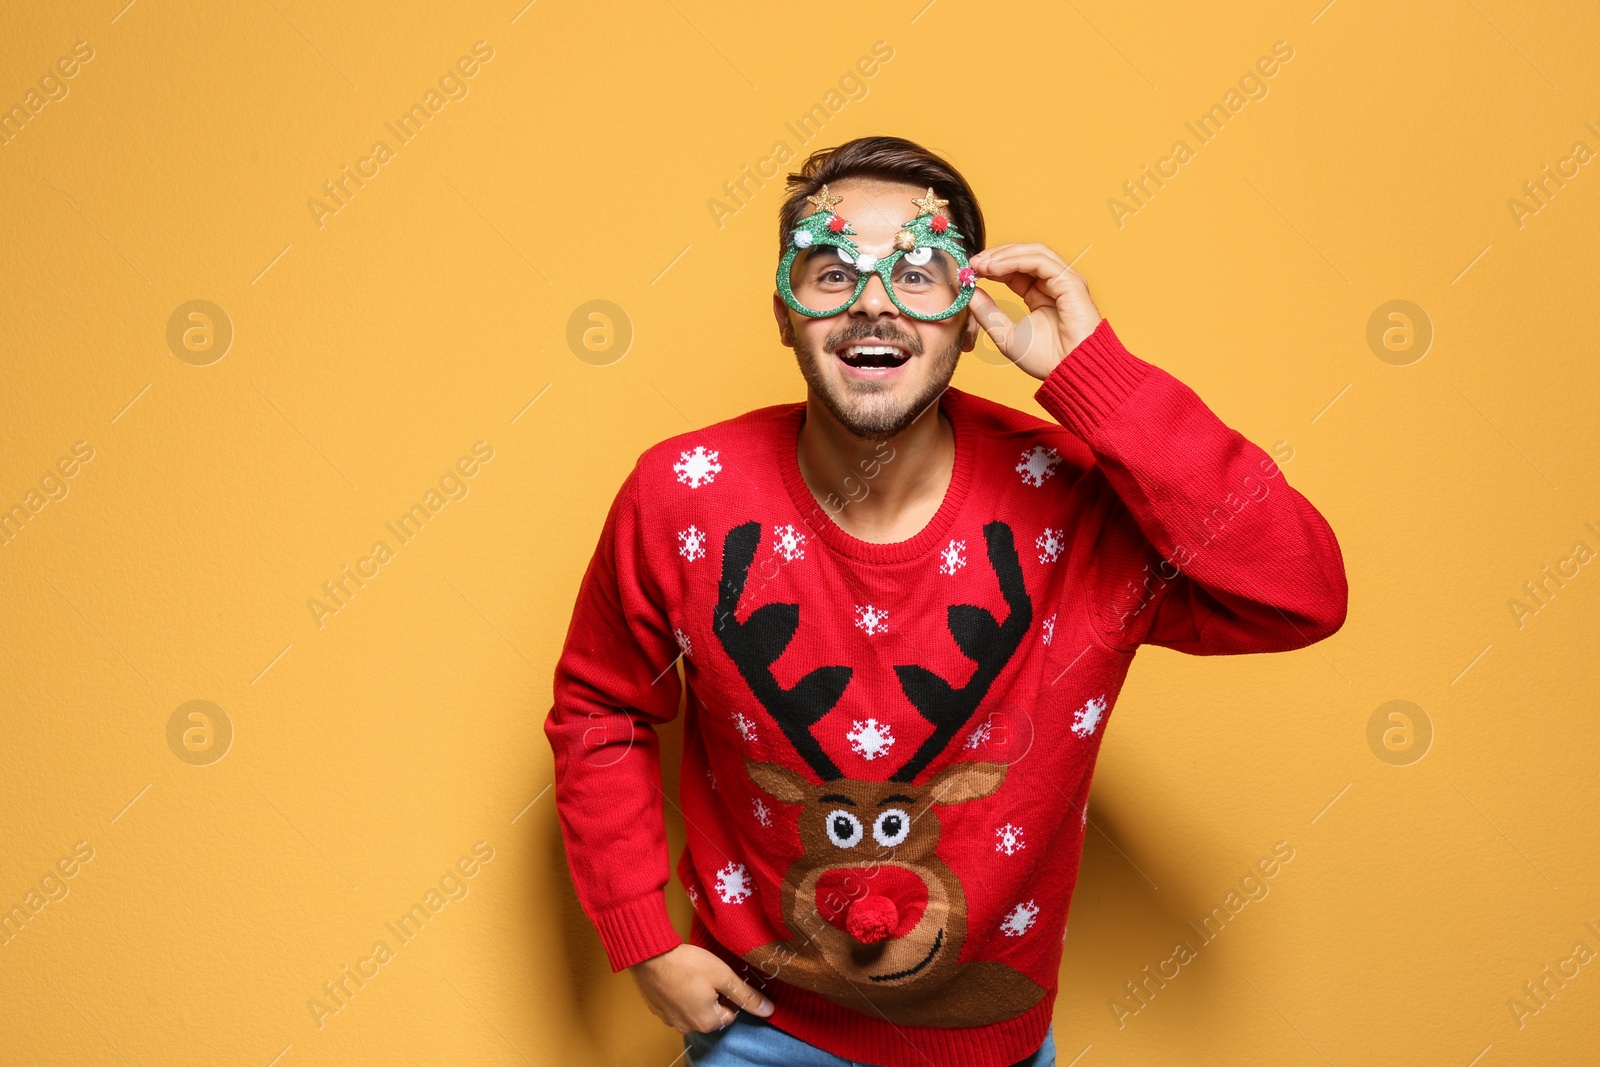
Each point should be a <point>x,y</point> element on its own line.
<point>824,200</point>
<point>928,205</point>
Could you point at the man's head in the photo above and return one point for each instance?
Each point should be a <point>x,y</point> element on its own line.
<point>876,393</point>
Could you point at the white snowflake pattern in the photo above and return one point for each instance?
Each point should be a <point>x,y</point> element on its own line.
<point>697,468</point>
<point>1037,464</point>
<point>872,620</point>
<point>980,734</point>
<point>788,542</point>
<point>870,738</point>
<point>745,725</point>
<point>763,813</point>
<point>684,644</point>
<point>733,883</point>
<point>1019,919</point>
<point>692,543</point>
<point>1086,718</point>
<point>1049,545</point>
<point>952,557</point>
<point>694,895</point>
<point>1049,629</point>
<point>1010,839</point>
<point>711,776</point>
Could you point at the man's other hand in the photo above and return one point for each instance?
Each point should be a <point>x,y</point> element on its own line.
<point>691,989</point>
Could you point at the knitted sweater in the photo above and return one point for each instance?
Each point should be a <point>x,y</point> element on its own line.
<point>888,747</point>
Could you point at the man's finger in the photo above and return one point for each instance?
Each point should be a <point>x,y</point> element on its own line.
<point>743,994</point>
<point>1027,248</point>
<point>1055,276</point>
<point>1042,260</point>
<point>992,317</point>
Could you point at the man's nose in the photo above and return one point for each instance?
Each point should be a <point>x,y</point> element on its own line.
<point>874,299</point>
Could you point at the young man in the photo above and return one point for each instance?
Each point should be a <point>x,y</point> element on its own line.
<point>903,614</point>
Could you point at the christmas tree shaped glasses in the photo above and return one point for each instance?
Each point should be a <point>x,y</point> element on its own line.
<point>926,276</point>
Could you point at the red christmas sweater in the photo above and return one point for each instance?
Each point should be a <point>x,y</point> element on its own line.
<point>888,747</point>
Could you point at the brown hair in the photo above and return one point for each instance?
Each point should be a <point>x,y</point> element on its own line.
<point>891,159</point>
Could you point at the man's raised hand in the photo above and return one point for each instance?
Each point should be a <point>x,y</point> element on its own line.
<point>1060,311</point>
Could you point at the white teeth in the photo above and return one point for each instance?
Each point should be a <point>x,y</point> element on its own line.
<point>872,350</point>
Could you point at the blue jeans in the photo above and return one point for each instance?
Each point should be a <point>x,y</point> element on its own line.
<point>751,1041</point>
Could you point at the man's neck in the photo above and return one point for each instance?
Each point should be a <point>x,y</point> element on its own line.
<point>881,492</point>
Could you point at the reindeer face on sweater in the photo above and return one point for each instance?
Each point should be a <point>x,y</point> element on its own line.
<point>878,916</point>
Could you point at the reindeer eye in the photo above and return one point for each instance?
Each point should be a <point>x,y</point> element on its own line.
<point>844,829</point>
<point>891,827</point>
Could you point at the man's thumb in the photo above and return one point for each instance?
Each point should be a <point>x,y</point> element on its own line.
<point>995,322</point>
<point>745,995</point>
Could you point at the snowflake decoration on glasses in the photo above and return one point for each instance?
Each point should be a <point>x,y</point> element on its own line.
<point>1009,839</point>
<point>1086,718</point>
<point>788,543</point>
<point>692,543</point>
<point>697,468</point>
<point>1037,464</point>
<point>869,739</point>
<point>1019,919</point>
<point>1049,545</point>
<point>733,883</point>
<point>952,557</point>
<point>872,620</point>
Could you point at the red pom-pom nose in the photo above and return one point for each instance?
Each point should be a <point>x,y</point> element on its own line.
<point>871,919</point>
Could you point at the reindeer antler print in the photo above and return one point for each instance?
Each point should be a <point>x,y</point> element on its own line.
<point>755,644</point>
<point>988,643</point>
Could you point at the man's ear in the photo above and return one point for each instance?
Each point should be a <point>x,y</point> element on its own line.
<point>780,311</point>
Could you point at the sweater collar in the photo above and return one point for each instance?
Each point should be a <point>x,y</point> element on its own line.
<point>820,522</point>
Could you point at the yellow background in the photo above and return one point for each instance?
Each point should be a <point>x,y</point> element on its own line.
<point>432,309</point>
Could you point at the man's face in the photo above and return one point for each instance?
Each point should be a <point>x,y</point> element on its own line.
<point>907,363</point>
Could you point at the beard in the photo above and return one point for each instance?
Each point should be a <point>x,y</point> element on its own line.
<point>869,409</point>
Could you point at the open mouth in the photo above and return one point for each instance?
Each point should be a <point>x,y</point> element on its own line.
<point>909,971</point>
<point>877,355</point>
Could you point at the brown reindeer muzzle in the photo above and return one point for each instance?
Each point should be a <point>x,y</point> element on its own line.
<point>872,903</point>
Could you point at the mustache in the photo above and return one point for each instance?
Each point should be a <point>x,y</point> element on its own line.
<point>873,332</point>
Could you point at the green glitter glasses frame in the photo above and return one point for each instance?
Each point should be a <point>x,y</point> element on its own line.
<point>927,275</point>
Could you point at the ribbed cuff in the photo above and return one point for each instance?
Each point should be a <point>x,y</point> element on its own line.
<point>1092,382</point>
<point>636,930</point>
